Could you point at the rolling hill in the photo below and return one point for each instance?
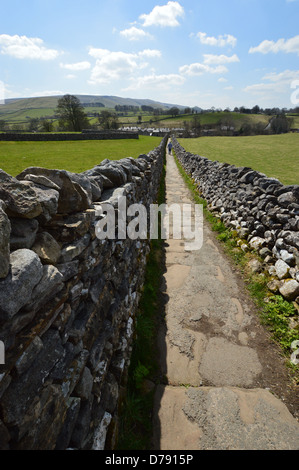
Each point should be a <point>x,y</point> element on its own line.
<point>20,109</point>
<point>18,112</point>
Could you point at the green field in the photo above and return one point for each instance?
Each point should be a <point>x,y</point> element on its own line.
<point>75,156</point>
<point>295,120</point>
<point>275,156</point>
<point>237,120</point>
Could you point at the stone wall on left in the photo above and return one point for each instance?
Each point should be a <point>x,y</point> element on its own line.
<point>68,302</point>
<point>63,136</point>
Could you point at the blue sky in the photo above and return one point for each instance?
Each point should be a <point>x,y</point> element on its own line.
<point>207,53</point>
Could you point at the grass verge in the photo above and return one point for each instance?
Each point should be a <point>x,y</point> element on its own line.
<point>135,430</point>
<point>279,315</point>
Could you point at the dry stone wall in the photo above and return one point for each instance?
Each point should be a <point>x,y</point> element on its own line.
<point>91,135</point>
<point>263,212</point>
<point>68,302</point>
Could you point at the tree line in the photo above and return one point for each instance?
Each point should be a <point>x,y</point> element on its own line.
<point>278,124</point>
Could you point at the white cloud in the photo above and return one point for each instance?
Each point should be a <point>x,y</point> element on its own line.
<point>77,66</point>
<point>135,34</point>
<point>156,81</point>
<point>199,69</point>
<point>220,41</point>
<point>222,80</point>
<point>282,45</point>
<point>165,15</point>
<point>285,76</point>
<point>150,53</point>
<point>6,92</point>
<point>260,88</point>
<point>279,83</point>
<point>118,65</point>
<point>98,53</point>
<point>112,66</point>
<point>38,94</point>
<point>22,47</point>
<point>220,59</point>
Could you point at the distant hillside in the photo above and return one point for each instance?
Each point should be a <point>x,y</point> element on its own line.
<point>21,108</point>
<point>112,101</point>
<point>18,112</point>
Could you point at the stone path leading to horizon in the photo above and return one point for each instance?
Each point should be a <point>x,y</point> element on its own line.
<point>224,376</point>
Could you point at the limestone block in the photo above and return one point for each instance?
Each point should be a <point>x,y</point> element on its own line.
<point>23,233</point>
<point>50,283</point>
<point>96,189</point>
<point>41,180</point>
<point>73,407</point>
<point>289,289</point>
<point>19,396</point>
<point>257,242</point>
<point>84,386</point>
<point>101,432</point>
<point>73,196</point>
<point>48,198</point>
<point>72,250</point>
<point>47,248</point>
<point>20,199</point>
<point>46,416</point>
<point>67,229</point>
<point>282,269</point>
<point>291,238</point>
<point>5,228</point>
<point>28,356</point>
<point>286,198</point>
<point>255,266</point>
<point>16,288</point>
<point>114,172</point>
<point>96,178</point>
<point>273,286</point>
<point>68,270</point>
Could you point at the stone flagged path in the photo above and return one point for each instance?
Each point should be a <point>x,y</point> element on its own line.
<point>214,354</point>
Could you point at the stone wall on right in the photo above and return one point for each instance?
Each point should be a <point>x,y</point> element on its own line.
<point>263,212</point>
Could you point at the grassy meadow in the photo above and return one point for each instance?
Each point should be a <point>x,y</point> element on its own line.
<point>75,156</point>
<point>274,155</point>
